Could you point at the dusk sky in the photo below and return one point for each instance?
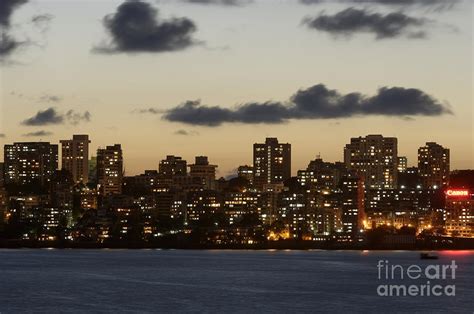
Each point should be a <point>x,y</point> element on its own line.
<point>204,77</point>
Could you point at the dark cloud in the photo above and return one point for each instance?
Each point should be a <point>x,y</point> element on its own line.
<point>316,102</point>
<point>135,27</point>
<point>220,2</point>
<point>320,102</point>
<point>437,4</point>
<point>405,2</point>
<point>8,44</point>
<point>352,21</point>
<point>6,10</point>
<point>186,133</point>
<point>38,134</point>
<point>51,117</point>
<point>46,117</point>
<point>192,112</point>
<point>312,1</point>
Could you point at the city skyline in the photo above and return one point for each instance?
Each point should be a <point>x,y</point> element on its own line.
<point>293,171</point>
<point>234,156</point>
<point>254,67</point>
<point>372,191</point>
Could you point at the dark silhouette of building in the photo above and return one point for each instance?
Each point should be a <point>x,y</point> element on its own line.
<point>2,173</point>
<point>409,179</point>
<point>172,166</point>
<point>204,171</point>
<point>462,179</point>
<point>246,172</point>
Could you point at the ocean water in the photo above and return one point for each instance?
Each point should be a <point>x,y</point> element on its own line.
<point>163,281</point>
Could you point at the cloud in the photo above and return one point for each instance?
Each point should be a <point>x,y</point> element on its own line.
<point>220,2</point>
<point>42,22</point>
<point>46,117</point>
<point>351,21</point>
<point>186,133</point>
<point>437,4</point>
<point>8,44</point>
<point>75,118</point>
<point>50,98</point>
<point>135,28</point>
<point>6,10</point>
<point>2,135</point>
<point>38,134</point>
<point>320,102</point>
<point>316,102</point>
<point>42,19</point>
<point>312,1</point>
<point>148,110</point>
<point>51,117</point>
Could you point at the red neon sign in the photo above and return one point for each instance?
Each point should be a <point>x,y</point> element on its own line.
<point>457,193</point>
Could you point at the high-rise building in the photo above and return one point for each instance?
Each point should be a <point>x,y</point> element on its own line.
<point>321,175</point>
<point>271,162</point>
<point>460,213</point>
<point>203,171</point>
<point>375,159</point>
<point>172,166</point>
<point>110,170</point>
<point>30,162</point>
<point>402,164</point>
<point>352,204</point>
<point>433,165</point>
<point>75,158</point>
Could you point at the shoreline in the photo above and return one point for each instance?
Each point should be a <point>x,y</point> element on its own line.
<point>280,246</point>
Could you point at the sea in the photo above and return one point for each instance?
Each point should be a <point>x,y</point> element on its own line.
<point>227,281</point>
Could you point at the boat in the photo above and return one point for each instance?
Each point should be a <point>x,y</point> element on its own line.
<point>428,256</point>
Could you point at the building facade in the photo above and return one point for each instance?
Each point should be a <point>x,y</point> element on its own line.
<point>30,162</point>
<point>433,165</point>
<point>375,159</point>
<point>460,213</point>
<point>75,157</point>
<point>204,171</point>
<point>271,162</point>
<point>173,166</point>
<point>110,170</point>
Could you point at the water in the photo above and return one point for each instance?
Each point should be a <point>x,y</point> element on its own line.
<point>88,281</point>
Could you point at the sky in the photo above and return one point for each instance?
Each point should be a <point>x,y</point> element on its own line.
<point>212,77</point>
